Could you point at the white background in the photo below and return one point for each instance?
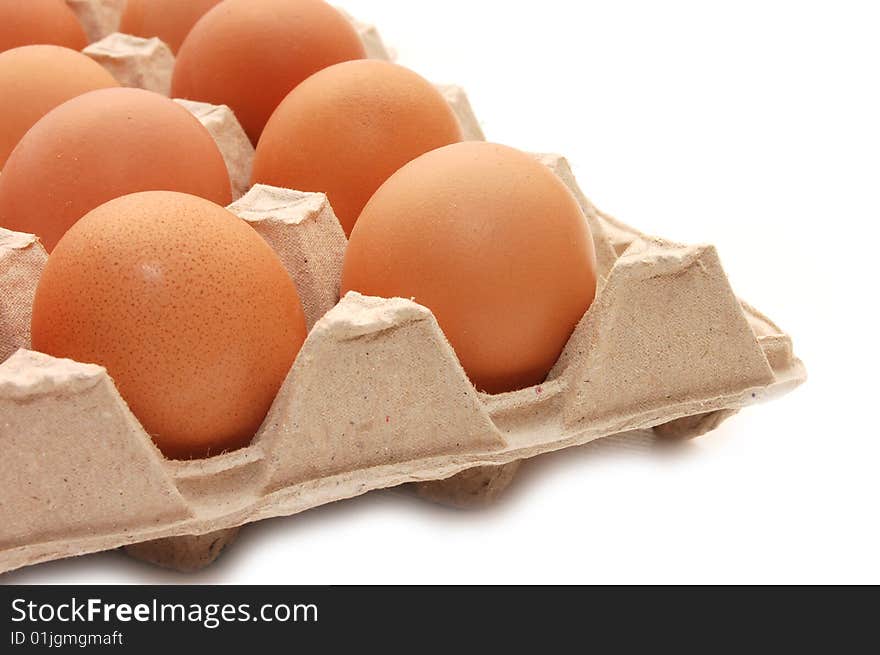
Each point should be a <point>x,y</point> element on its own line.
<point>750,125</point>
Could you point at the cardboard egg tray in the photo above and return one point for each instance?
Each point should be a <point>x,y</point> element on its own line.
<point>376,397</point>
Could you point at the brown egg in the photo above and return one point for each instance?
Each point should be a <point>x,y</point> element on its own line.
<point>102,145</point>
<point>249,54</point>
<point>188,308</point>
<point>494,244</point>
<point>347,128</point>
<point>37,78</point>
<point>29,22</point>
<point>170,20</point>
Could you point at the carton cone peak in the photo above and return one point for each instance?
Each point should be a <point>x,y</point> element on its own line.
<point>10,240</point>
<point>28,374</point>
<point>377,397</point>
<point>232,141</point>
<point>357,315</point>
<point>135,61</point>
<point>287,206</point>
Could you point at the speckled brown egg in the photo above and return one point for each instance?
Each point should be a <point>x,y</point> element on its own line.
<point>249,54</point>
<point>170,20</point>
<point>37,78</point>
<point>494,244</point>
<point>188,308</point>
<point>102,145</point>
<point>30,22</point>
<point>347,128</point>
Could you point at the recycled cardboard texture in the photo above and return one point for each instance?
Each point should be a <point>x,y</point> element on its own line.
<point>21,260</point>
<point>125,54</point>
<point>476,487</point>
<point>690,427</point>
<point>149,63</point>
<point>233,142</point>
<point>606,254</point>
<point>184,554</point>
<point>98,17</point>
<point>135,62</point>
<point>329,419</point>
<point>60,491</point>
<point>701,344</point>
<point>373,44</point>
<point>460,104</point>
<point>313,252</point>
<point>376,398</point>
<point>101,18</point>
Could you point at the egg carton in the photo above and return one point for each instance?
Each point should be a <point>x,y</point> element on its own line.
<point>376,397</point>
<point>101,18</point>
<point>148,63</point>
<point>98,17</point>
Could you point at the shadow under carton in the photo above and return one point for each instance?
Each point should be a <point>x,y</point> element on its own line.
<point>376,397</point>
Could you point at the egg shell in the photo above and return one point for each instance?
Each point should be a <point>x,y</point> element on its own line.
<point>249,54</point>
<point>188,308</point>
<point>37,78</point>
<point>31,22</point>
<point>102,145</point>
<point>494,244</point>
<point>348,128</point>
<point>169,20</point>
